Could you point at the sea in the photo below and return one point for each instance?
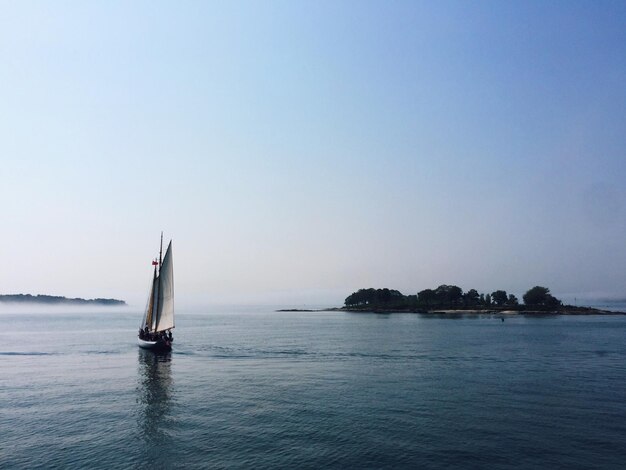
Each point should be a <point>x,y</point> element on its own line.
<point>252,388</point>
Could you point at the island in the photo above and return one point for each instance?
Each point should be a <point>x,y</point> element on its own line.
<point>57,300</point>
<point>450,299</point>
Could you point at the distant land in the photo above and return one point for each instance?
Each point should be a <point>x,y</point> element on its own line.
<point>450,299</point>
<point>57,300</point>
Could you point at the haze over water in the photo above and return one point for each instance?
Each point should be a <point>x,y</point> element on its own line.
<point>260,389</point>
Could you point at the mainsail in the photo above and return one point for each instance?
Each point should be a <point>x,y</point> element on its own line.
<point>149,313</point>
<point>159,315</point>
<point>165,312</point>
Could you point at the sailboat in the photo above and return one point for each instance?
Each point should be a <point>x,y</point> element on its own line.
<point>155,331</point>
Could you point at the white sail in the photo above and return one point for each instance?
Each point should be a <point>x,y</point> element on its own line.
<point>165,313</point>
<point>154,316</point>
<point>149,311</point>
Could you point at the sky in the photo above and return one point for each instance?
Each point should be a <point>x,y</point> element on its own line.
<point>296,151</point>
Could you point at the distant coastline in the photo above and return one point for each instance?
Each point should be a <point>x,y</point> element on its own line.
<point>451,300</point>
<point>565,310</point>
<point>57,300</point>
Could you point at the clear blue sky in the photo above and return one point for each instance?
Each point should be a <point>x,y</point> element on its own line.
<point>298,151</point>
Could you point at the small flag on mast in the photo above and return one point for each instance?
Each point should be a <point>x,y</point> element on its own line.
<point>155,262</point>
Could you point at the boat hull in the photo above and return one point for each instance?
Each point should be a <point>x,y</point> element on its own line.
<point>159,345</point>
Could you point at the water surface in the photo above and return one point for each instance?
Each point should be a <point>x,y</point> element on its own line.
<point>309,390</point>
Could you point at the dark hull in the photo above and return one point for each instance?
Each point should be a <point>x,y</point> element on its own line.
<point>158,345</point>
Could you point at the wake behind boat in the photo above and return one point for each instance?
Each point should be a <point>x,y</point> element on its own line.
<point>156,327</point>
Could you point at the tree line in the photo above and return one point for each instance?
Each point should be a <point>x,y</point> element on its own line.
<point>56,299</point>
<point>452,297</point>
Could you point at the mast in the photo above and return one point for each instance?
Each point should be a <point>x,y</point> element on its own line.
<point>161,253</point>
<point>159,286</point>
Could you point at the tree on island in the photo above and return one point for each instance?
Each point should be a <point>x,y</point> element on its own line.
<point>449,295</point>
<point>371,297</point>
<point>444,295</point>
<point>499,297</point>
<point>471,298</point>
<point>427,297</point>
<point>540,297</point>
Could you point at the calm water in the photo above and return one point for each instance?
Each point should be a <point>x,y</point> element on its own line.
<point>314,390</point>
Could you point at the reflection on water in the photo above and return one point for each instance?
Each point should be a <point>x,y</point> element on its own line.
<point>153,400</point>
